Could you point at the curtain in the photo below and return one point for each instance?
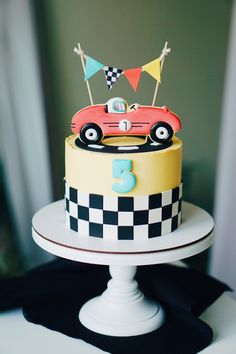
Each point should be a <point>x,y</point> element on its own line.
<point>23,138</point>
<point>223,261</point>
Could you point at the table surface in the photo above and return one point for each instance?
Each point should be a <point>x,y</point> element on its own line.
<point>20,336</point>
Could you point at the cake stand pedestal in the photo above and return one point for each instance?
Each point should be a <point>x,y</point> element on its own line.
<point>122,309</point>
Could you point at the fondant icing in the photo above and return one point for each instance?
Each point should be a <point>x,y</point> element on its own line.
<point>123,218</point>
<point>155,170</point>
<point>123,172</point>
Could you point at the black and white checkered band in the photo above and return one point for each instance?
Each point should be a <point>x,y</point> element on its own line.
<point>123,218</point>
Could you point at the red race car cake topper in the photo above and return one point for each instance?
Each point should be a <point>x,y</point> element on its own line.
<point>95,122</point>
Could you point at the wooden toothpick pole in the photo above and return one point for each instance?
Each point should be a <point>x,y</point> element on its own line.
<point>165,51</point>
<point>80,53</point>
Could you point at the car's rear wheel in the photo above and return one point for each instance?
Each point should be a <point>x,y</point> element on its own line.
<point>91,133</point>
<point>161,132</point>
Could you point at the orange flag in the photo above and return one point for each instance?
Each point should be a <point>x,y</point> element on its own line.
<point>133,76</point>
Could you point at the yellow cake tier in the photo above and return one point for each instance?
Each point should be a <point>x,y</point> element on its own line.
<point>91,171</point>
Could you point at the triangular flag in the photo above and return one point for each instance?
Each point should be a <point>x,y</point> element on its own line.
<point>154,69</point>
<point>92,66</point>
<point>133,76</point>
<point>111,74</point>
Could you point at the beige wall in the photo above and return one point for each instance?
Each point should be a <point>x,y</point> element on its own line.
<point>128,34</point>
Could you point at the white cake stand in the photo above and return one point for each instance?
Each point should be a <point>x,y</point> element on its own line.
<point>122,309</point>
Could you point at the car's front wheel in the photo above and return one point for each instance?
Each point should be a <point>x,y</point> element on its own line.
<point>91,133</point>
<point>161,132</point>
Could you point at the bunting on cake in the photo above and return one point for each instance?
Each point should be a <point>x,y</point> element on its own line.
<point>133,76</point>
<point>153,68</point>
<point>92,66</point>
<point>111,75</point>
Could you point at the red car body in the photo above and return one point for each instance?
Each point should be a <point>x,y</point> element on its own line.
<point>142,119</point>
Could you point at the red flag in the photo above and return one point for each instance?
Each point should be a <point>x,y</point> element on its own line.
<point>133,76</point>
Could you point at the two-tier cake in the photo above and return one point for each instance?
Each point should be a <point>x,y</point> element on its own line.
<point>123,172</point>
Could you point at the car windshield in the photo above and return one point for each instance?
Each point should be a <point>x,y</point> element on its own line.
<point>119,106</point>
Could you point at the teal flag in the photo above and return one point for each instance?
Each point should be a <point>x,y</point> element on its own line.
<point>92,66</point>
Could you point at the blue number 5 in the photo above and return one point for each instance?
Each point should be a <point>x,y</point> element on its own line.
<point>121,169</point>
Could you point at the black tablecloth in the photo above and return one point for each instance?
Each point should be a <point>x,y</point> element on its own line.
<point>51,295</point>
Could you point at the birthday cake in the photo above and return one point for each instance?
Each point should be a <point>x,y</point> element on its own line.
<point>123,171</point>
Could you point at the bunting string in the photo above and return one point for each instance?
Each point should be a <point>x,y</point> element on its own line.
<point>112,74</point>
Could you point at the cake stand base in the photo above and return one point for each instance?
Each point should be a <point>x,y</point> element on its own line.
<point>122,310</point>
